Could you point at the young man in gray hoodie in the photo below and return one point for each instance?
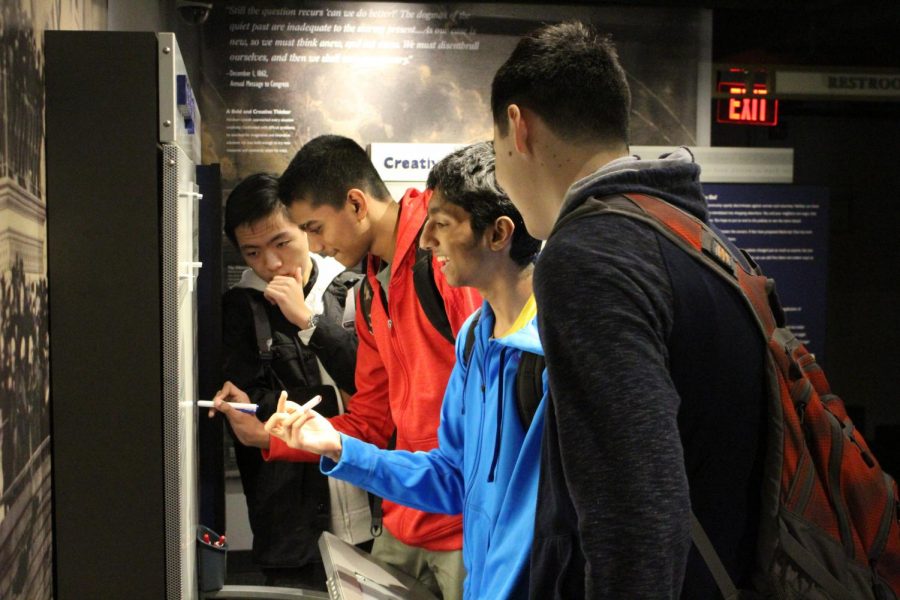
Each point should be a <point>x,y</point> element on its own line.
<point>656,368</point>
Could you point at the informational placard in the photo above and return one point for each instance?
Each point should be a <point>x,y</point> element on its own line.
<point>407,162</point>
<point>785,230</point>
<point>278,73</point>
<point>404,166</point>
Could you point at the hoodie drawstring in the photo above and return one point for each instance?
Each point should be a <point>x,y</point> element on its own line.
<point>499,436</point>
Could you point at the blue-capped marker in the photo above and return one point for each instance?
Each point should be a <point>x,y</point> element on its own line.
<point>241,406</point>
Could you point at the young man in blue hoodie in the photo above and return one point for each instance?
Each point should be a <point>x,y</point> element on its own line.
<point>655,366</point>
<point>486,463</point>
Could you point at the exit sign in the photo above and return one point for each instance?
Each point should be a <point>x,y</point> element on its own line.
<point>746,109</point>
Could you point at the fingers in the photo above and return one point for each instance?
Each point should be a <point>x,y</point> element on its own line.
<point>290,420</point>
<point>228,391</point>
<point>287,293</point>
<point>272,293</point>
<point>220,405</point>
<point>293,430</point>
<point>276,294</point>
<point>280,423</point>
<point>279,288</point>
<point>285,287</point>
<point>276,427</point>
<point>283,283</point>
<point>296,411</point>
<point>288,281</point>
<point>292,426</point>
<point>249,431</point>
<point>289,417</point>
<point>224,392</point>
<point>270,296</point>
<point>273,425</point>
<point>231,393</point>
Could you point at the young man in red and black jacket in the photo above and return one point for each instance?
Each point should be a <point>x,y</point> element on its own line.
<point>335,195</point>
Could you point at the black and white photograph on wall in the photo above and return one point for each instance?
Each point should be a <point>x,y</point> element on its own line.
<point>25,468</point>
<point>279,73</point>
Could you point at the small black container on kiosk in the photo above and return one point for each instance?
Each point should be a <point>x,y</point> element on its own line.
<point>211,554</point>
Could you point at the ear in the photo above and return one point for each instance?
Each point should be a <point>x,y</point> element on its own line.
<point>358,203</point>
<point>519,129</point>
<point>501,234</point>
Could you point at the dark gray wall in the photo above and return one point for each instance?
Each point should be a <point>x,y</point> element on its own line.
<point>852,148</point>
<point>159,15</point>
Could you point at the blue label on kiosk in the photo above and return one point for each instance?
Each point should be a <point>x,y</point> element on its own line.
<point>187,105</point>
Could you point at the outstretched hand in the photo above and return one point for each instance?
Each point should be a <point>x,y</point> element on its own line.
<point>302,428</point>
<point>284,409</point>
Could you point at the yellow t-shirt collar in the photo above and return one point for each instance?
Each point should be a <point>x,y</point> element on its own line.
<point>528,312</point>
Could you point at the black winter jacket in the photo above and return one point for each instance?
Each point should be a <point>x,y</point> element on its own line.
<point>288,503</point>
<point>657,403</point>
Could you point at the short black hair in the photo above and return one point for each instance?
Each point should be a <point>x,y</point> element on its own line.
<point>325,168</point>
<point>254,199</point>
<point>570,76</point>
<point>466,178</point>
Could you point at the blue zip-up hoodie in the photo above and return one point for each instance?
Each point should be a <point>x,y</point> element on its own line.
<point>486,465</point>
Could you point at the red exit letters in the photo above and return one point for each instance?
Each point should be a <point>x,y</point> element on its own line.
<point>748,110</point>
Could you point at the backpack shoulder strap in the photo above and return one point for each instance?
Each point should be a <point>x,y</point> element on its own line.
<point>346,280</point>
<point>428,293</point>
<point>529,386</point>
<point>261,326</point>
<point>365,294</point>
<point>698,239</point>
<point>529,376</point>
<point>711,557</point>
<point>470,337</point>
<point>698,236</point>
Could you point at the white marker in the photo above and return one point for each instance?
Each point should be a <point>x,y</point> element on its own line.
<point>241,406</point>
<point>310,404</point>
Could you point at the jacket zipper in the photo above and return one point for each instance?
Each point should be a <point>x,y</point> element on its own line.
<point>499,437</point>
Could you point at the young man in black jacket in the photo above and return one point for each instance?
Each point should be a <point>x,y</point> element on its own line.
<point>656,368</point>
<point>288,325</point>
